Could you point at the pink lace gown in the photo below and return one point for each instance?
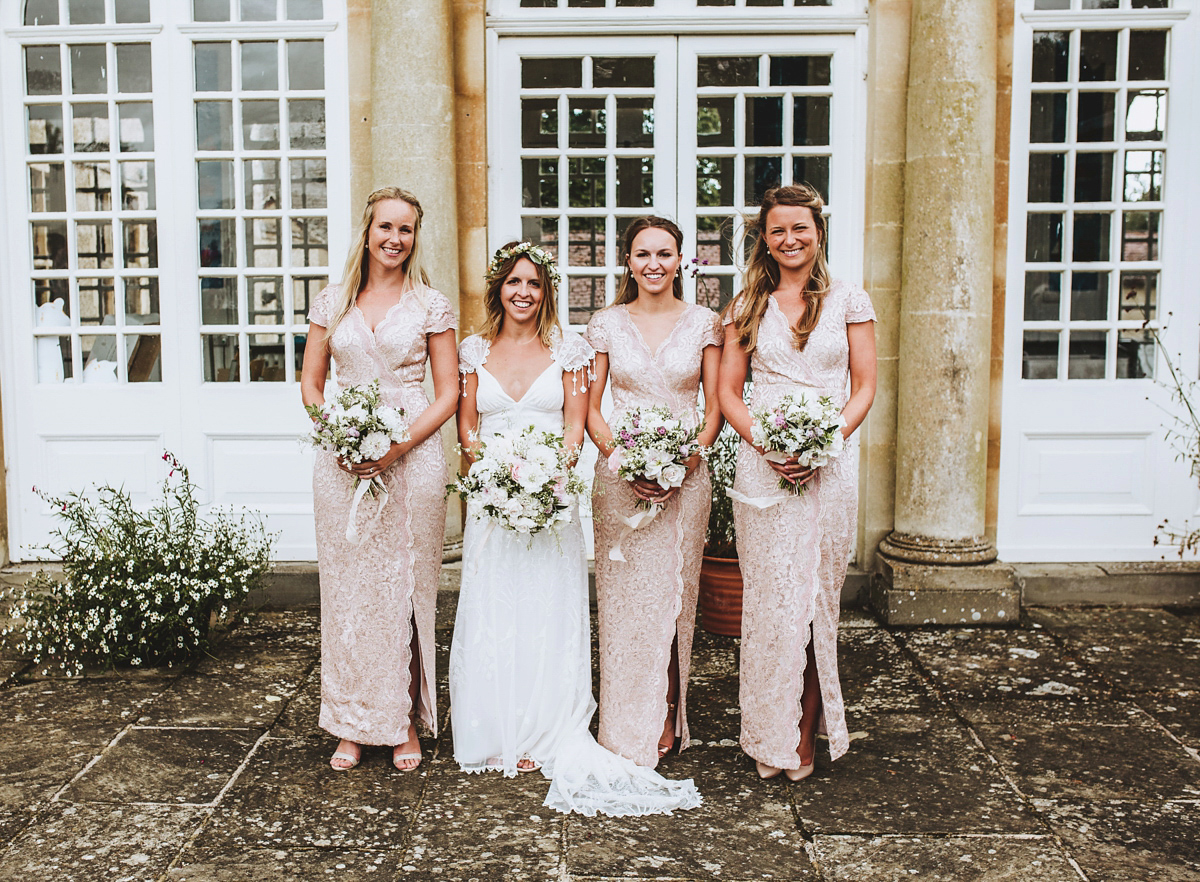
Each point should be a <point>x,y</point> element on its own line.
<point>794,552</point>
<point>373,591</point>
<point>650,600</point>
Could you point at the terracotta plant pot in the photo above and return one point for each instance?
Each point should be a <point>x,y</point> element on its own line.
<point>721,596</point>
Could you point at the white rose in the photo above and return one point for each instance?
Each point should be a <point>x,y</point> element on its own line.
<point>672,476</point>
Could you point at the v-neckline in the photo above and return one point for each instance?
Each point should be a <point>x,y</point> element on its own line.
<point>661,343</point>
<point>525,394</point>
<point>362,315</point>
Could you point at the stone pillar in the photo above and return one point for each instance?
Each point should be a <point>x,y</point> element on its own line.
<point>412,139</point>
<point>935,565</point>
<point>470,126</point>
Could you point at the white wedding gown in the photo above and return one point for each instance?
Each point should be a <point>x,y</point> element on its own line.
<point>520,663</point>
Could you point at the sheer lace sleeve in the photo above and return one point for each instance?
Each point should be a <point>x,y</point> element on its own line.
<point>323,307</point>
<point>714,331</point>
<point>575,357</point>
<point>472,352</point>
<point>858,305</point>
<point>597,331</point>
<point>439,314</point>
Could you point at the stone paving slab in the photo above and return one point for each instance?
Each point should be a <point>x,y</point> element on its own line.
<point>238,694</point>
<point>37,762</point>
<point>90,843</point>
<point>300,715</point>
<point>713,714</point>
<point>10,668</point>
<point>1152,625</point>
<point>1178,711</point>
<point>941,859</point>
<point>285,865</point>
<point>1144,666</point>
<point>877,676</point>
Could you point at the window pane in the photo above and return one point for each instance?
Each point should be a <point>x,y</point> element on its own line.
<point>306,125</point>
<point>81,12</point>
<point>97,304</point>
<point>714,240</point>
<point>89,69</point>
<point>1048,117</point>
<point>800,70</point>
<point>740,71</point>
<point>714,122</point>
<point>1093,177</point>
<point>310,241</point>
<point>551,73</point>
<point>1046,177</point>
<point>1147,55</point>
<point>210,10</point>
<point>306,64</point>
<point>133,68</point>
<point>1043,292</point>
<point>145,352</point>
<point>264,247</point>
<point>214,183</point>
<point>93,186</point>
<point>268,358</point>
<point>263,185</point>
<point>1039,355</point>
<point>1146,116</point>
<point>137,126</point>
<point>41,12</point>
<point>220,356</point>
<point>764,122</point>
<point>623,73</point>
<point>1139,297</point>
<point>94,244</point>
<point>1089,297</point>
<point>1135,355</point>
<point>1096,116</point>
<point>260,125</point>
<point>304,10</point>
<point>1090,241</point>
<point>43,70</point>
<point>539,122</point>
<point>1139,235</point>
<point>1043,237</point>
<point>214,67</point>
<point>1051,50</point>
<point>1097,56</point>
<point>265,304</point>
<point>260,67</point>
<point>49,244</point>
<point>218,242</point>
<point>141,243</point>
<point>137,185</point>
<point>218,301</point>
<point>539,183</point>
<point>714,291</point>
<point>257,10</point>
<point>1086,355</point>
<point>132,11</point>
<point>1143,175</point>
<point>588,122</point>
<point>635,182</point>
<point>45,128</point>
<point>89,128</point>
<point>308,184</point>
<point>714,181</point>
<point>810,124</point>
<point>304,294</point>
<point>214,125</point>
<point>586,241</point>
<point>635,122</point>
<point>584,296</point>
<point>54,359</point>
<point>141,301</point>
<point>812,170</point>
<point>47,186</point>
<point>541,231</point>
<point>762,173</point>
<point>586,182</point>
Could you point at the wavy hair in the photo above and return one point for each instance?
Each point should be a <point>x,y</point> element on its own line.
<point>493,306</point>
<point>627,290</point>
<point>762,272</point>
<point>354,276</point>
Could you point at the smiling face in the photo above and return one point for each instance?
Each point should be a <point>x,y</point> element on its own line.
<point>654,260</point>
<point>792,236</point>
<point>521,293</point>
<point>391,235</point>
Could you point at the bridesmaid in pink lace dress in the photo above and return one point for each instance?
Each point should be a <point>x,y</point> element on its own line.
<point>382,323</point>
<point>657,350</point>
<point>801,332</point>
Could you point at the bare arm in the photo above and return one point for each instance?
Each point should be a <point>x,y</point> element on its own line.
<point>576,396</point>
<point>735,364</point>
<point>597,426</point>
<point>863,371</point>
<point>315,368</point>
<point>468,417</point>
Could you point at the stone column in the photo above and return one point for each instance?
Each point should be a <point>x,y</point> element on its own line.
<point>412,139</point>
<point>470,126</point>
<point>933,566</point>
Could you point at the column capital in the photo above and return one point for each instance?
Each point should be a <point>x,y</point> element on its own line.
<point>971,550</point>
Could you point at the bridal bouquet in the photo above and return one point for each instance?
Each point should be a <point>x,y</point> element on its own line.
<point>652,444</point>
<point>523,482</point>
<point>809,430</point>
<point>357,426</point>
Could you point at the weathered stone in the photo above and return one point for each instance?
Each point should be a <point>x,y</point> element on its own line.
<point>714,716</point>
<point>279,631</point>
<point>289,797</point>
<point>912,773</point>
<point>991,662</point>
<point>447,609</point>
<point>700,843</point>
<point>13,822</point>
<point>1154,625</point>
<point>876,676</point>
<point>204,864</point>
<point>1143,583</point>
<point>713,656</point>
<point>106,702</point>
<point>941,859</point>
<point>1081,752</point>
<point>1130,841</point>
<point>88,843</point>
<point>916,594</point>
<point>1178,711</point>
<point>300,716</point>
<point>10,668</point>
<point>239,695</point>
<point>1142,666</point>
<point>187,766</point>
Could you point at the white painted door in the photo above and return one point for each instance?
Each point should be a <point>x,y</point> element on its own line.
<point>166,171</point>
<point>1101,236</point>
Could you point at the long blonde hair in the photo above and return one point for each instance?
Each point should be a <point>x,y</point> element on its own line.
<point>627,290</point>
<point>501,267</point>
<point>762,272</point>
<point>354,276</point>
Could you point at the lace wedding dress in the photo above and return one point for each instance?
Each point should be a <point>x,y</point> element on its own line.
<point>793,549</point>
<point>520,672</point>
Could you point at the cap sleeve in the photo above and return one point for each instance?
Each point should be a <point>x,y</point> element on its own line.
<point>323,307</point>
<point>597,331</point>
<point>712,332</point>
<point>439,314</point>
<point>858,306</point>
<point>726,316</point>
<point>472,352</point>
<point>572,352</point>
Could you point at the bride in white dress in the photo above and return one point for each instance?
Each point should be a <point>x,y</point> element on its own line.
<point>520,669</point>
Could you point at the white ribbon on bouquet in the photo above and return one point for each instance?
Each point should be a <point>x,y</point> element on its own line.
<point>361,490</point>
<point>635,522</point>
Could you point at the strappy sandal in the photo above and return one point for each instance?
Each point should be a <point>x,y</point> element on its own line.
<point>533,766</point>
<point>398,758</point>
<point>350,760</point>
<point>664,749</point>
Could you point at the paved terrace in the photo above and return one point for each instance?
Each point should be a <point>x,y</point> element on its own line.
<point>1065,749</point>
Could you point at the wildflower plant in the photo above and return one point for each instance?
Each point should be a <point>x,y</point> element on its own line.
<point>721,539</point>
<point>138,587</point>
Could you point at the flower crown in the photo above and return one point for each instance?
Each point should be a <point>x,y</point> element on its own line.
<point>523,249</point>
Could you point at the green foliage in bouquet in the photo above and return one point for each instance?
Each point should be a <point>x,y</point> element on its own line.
<point>138,587</point>
<point>722,465</point>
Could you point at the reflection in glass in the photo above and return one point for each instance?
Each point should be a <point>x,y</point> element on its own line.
<point>145,355</point>
<point>218,301</point>
<point>1147,55</point>
<point>1039,355</point>
<point>43,70</point>
<point>265,306</point>
<point>45,128</point>
<point>214,125</point>
<point>210,10</point>
<point>762,173</point>
<point>585,295</point>
<point>551,73</point>
<point>1089,297</point>
<point>299,341</point>
<point>81,12</point>
<point>89,128</point>
<point>1143,175</point>
<point>218,242</point>
<point>97,301</point>
<point>1043,292</point>
<point>94,244</point>
<point>133,67</point>
<point>1093,177</point>
<point>47,187</point>
<point>89,69</point>
<point>46,290</point>
<point>810,125</point>
<point>141,301</point>
<point>214,67</point>
<point>714,181</point>
<point>41,12</point>
<point>585,241</point>
<point>736,71</point>
<point>541,231</point>
<point>1135,355</point>
<point>1139,297</point>
<point>714,240</point>
<point>56,350</point>
<point>306,65</point>
<point>262,184</point>
<point>137,185</point>
<point>1090,240</point>
<point>586,184</point>
<point>1097,111</point>
<point>310,241</point>
<point>1146,115</point>
<point>214,184</point>
<point>132,11</point>
<point>219,353</point>
<point>539,183</point>
<point>635,182</point>
<point>714,122</point>
<point>714,291</point>
<point>813,170</point>
<point>764,122</point>
<point>268,359</point>
<point>1048,117</point>
<point>49,244</point>
<point>99,354</point>
<point>141,243</point>
<point>304,294</point>
<point>1047,174</point>
<point>1086,355</point>
<point>306,125</point>
<point>1139,235</point>
<point>623,73</point>
<point>1097,56</point>
<point>587,122</point>
<point>1043,237</point>
<point>635,122</point>
<point>800,70</point>
<point>1051,50</point>
<point>260,125</point>
<point>308,183</point>
<point>263,245</point>
<point>260,67</point>
<point>539,122</point>
<point>136,122</point>
<point>93,186</point>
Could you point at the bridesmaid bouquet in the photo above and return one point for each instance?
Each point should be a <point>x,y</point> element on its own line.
<point>805,429</point>
<point>524,483</point>
<point>650,443</point>
<point>357,426</point>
